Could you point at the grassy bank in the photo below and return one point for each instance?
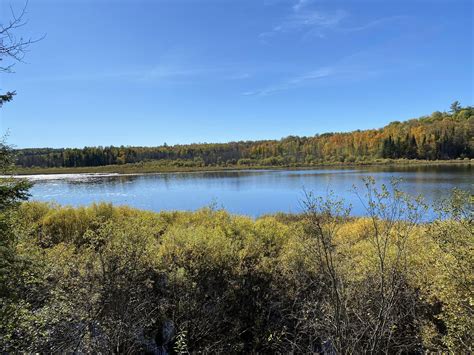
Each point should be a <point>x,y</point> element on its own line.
<point>157,167</point>
<point>96,278</point>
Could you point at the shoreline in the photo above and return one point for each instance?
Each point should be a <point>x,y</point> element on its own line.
<point>150,168</point>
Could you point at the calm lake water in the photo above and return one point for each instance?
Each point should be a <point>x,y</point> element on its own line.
<point>245,192</point>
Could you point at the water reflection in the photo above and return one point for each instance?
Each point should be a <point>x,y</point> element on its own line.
<point>246,192</point>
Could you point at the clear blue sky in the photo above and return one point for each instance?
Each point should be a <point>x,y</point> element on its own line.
<point>137,72</point>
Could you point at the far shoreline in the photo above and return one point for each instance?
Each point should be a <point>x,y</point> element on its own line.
<point>153,168</point>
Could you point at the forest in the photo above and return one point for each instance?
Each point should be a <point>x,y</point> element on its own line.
<point>439,136</point>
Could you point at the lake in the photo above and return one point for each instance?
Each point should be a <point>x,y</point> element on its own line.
<point>249,192</point>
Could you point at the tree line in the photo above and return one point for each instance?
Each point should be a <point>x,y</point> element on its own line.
<point>439,136</point>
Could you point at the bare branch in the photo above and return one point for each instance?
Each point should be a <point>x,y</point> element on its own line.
<point>14,48</point>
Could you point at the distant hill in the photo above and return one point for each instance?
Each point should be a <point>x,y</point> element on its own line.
<point>440,136</point>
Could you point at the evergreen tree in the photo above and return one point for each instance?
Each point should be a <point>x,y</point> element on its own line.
<point>12,191</point>
<point>455,107</point>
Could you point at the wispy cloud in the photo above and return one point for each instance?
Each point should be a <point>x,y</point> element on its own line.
<point>374,23</point>
<point>155,74</point>
<point>239,76</point>
<point>295,82</point>
<point>145,74</point>
<point>169,72</point>
<point>301,4</point>
<point>304,22</point>
<point>355,67</point>
<point>304,19</point>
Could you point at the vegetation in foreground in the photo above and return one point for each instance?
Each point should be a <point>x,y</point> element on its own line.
<point>440,136</point>
<point>119,280</point>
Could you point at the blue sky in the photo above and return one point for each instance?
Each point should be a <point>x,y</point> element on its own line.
<point>142,72</point>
